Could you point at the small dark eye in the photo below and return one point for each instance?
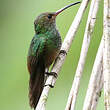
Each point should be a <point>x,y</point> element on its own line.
<point>49,16</point>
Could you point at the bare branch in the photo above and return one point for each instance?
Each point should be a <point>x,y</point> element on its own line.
<point>86,42</point>
<point>106,54</point>
<point>97,93</point>
<point>60,60</point>
<point>96,81</point>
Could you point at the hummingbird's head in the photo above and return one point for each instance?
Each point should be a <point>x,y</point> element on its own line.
<point>46,21</point>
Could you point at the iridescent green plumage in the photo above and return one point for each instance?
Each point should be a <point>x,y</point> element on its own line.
<point>47,40</point>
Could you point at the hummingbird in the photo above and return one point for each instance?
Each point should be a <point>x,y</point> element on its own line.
<point>44,48</point>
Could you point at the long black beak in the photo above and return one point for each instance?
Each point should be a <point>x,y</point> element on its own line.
<point>62,9</point>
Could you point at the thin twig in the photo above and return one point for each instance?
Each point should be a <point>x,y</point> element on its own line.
<point>60,60</point>
<point>106,54</point>
<point>98,91</point>
<point>86,42</point>
<point>95,85</point>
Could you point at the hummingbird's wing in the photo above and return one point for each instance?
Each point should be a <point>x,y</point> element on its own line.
<point>35,53</point>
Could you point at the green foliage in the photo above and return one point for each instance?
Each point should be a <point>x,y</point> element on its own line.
<point>16,32</point>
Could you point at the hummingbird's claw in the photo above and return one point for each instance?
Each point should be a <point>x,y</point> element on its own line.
<point>63,51</point>
<point>52,73</point>
<point>49,85</point>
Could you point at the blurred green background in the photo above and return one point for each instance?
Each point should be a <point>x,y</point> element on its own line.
<point>16,32</point>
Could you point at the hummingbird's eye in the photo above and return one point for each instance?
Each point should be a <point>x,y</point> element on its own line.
<point>49,16</point>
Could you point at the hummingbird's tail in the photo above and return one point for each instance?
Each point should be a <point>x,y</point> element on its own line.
<point>36,84</point>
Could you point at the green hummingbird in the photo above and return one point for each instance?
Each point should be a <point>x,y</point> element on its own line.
<point>44,48</point>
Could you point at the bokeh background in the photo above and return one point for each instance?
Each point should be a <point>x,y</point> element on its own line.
<point>16,32</point>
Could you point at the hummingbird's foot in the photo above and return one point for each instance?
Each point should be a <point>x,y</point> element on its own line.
<point>63,51</point>
<point>50,85</point>
<point>52,73</point>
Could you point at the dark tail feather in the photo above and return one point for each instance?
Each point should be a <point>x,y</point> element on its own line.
<point>36,84</point>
